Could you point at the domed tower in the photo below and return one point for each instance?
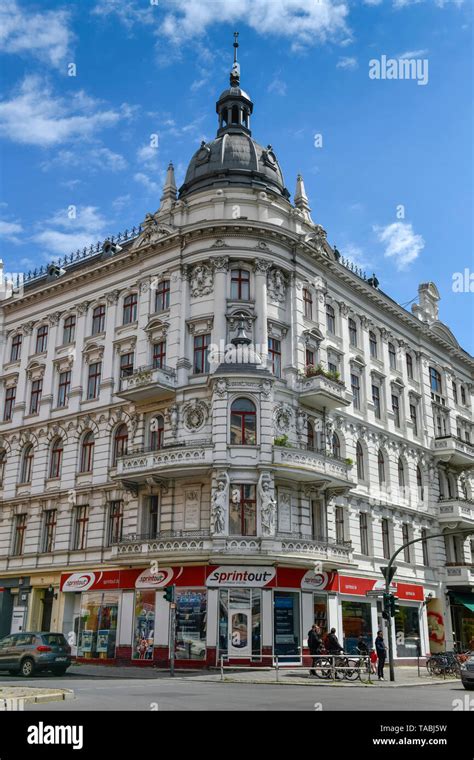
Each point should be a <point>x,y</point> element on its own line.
<point>234,157</point>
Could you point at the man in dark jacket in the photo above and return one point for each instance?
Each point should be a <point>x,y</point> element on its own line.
<point>332,643</point>
<point>381,650</point>
<point>315,644</point>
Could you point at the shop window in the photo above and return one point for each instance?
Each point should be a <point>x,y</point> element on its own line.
<point>191,615</point>
<point>87,452</point>
<point>98,624</point>
<point>144,625</point>
<point>243,423</point>
<point>320,612</point>
<point>286,625</point>
<point>242,513</point>
<point>356,623</point>
<point>407,629</point>
<point>162,296</point>
<point>240,285</point>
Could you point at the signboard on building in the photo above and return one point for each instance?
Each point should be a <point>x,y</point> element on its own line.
<point>242,576</point>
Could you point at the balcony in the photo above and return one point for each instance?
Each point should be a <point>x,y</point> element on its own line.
<point>457,452</point>
<point>459,512</point>
<point>321,392</point>
<point>292,547</point>
<point>304,463</point>
<point>453,574</point>
<point>148,384</point>
<point>183,460</point>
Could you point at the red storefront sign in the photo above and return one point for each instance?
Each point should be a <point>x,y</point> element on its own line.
<point>360,587</point>
<point>134,578</point>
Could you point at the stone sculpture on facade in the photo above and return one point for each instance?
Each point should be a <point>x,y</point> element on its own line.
<point>220,504</point>
<point>268,506</point>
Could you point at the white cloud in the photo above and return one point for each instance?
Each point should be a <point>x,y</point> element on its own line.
<point>121,202</point>
<point>278,86</point>
<point>401,243</point>
<point>438,3</point>
<point>305,22</point>
<point>356,254</point>
<point>412,54</point>
<point>34,116</point>
<point>148,183</point>
<point>44,35</point>
<point>147,155</point>
<point>99,158</point>
<point>347,63</point>
<point>10,231</point>
<point>62,233</point>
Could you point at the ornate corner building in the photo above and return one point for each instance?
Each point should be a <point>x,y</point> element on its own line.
<point>218,401</point>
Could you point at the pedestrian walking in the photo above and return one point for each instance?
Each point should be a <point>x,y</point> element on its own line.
<point>315,644</point>
<point>381,650</point>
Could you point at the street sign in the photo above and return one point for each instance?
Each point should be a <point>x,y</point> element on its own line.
<point>384,570</point>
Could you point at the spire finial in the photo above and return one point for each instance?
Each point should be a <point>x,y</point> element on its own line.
<point>235,73</point>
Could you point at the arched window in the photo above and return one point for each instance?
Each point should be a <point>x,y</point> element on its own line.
<point>130,308</point>
<point>87,452</point>
<point>360,461</point>
<point>373,345</point>
<point>157,429</point>
<point>243,423</point>
<point>56,458</point>
<point>27,464</point>
<point>401,473</point>
<point>381,467</point>
<point>435,380</point>
<point>330,319</point>
<point>310,435</point>
<point>336,446</point>
<point>419,483</point>
<point>3,462</point>
<point>120,442</point>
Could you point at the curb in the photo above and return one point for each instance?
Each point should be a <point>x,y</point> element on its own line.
<point>326,684</point>
<point>54,696</point>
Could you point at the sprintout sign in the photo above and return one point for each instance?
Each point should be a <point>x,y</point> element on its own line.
<point>249,577</point>
<point>312,581</point>
<point>79,582</point>
<point>157,579</point>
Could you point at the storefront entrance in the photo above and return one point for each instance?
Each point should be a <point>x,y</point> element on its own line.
<point>286,626</point>
<point>240,630</point>
<point>47,604</point>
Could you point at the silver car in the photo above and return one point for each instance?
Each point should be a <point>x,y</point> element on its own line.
<point>30,651</point>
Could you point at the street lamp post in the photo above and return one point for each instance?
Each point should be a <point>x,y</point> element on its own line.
<point>389,572</point>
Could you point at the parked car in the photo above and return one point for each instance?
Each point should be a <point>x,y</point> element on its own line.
<point>467,673</point>
<point>30,651</point>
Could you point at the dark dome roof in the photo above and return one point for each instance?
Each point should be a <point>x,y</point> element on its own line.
<point>234,158</point>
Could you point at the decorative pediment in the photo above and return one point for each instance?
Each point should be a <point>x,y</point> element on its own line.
<point>157,329</point>
<point>93,352</point>
<point>125,345</point>
<point>35,370</point>
<point>152,232</point>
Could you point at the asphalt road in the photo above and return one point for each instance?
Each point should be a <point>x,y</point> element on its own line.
<point>188,694</point>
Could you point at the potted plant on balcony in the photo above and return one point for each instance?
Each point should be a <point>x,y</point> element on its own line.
<point>282,440</point>
<point>349,461</point>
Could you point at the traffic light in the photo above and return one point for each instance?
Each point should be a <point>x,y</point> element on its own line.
<point>169,593</point>
<point>386,606</point>
<point>394,606</point>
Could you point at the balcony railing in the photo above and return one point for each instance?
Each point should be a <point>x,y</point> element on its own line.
<point>148,382</point>
<point>309,463</point>
<point>455,508</point>
<point>454,449</point>
<point>184,457</point>
<point>321,392</point>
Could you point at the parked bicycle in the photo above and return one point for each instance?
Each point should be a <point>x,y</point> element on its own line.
<point>340,667</point>
<point>445,664</point>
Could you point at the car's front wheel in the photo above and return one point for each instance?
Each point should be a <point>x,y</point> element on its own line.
<point>469,686</point>
<point>27,667</point>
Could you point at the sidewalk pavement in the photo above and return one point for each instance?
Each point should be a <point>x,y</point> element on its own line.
<point>14,697</point>
<point>405,675</point>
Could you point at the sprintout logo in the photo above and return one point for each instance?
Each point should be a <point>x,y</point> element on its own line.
<point>154,579</point>
<point>79,582</point>
<point>312,580</point>
<point>44,734</point>
<point>241,576</point>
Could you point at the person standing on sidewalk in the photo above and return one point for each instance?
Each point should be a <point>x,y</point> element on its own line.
<point>315,644</point>
<point>381,650</point>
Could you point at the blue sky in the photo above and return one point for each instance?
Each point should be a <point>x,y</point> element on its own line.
<point>391,184</point>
